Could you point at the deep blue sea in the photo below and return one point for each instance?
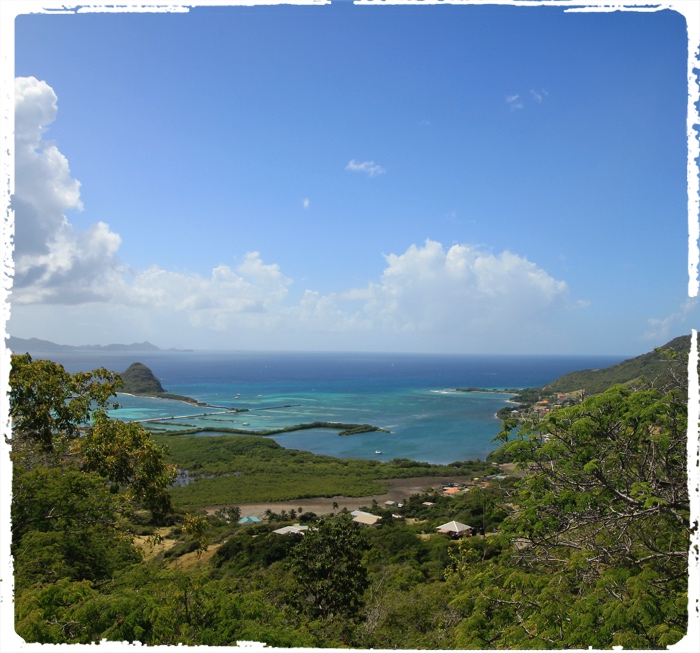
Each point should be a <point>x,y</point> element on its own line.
<point>410,395</point>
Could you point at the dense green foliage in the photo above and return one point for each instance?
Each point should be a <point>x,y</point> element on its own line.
<point>139,379</point>
<point>601,531</point>
<point>248,468</point>
<point>170,395</point>
<point>326,565</point>
<point>76,474</point>
<point>586,546</point>
<point>49,406</point>
<point>65,525</point>
<point>125,455</point>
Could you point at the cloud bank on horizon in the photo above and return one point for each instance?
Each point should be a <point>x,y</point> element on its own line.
<point>428,295</point>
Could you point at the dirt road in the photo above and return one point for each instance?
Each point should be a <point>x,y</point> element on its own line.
<point>399,490</point>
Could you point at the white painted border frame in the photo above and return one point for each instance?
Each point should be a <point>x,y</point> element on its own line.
<point>10,9</point>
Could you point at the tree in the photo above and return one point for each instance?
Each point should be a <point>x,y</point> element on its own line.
<point>596,550</point>
<point>60,418</point>
<point>615,464</point>
<point>330,578</point>
<point>65,524</point>
<point>49,404</point>
<point>127,456</point>
<point>230,513</point>
<point>76,475</point>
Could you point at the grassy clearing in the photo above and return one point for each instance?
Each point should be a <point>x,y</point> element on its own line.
<point>194,558</point>
<point>149,548</point>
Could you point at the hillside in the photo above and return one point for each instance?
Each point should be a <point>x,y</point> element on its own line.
<point>653,368</point>
<point>139,379</point>
<point>650,367</point>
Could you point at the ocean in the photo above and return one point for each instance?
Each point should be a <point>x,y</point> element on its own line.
<point>410,395</point>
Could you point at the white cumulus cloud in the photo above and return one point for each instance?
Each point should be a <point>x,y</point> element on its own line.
<point>53,261</point>
<point>431,298</point>
<point>464,288</point>
<point>665,328</point>
<point>253,287</point>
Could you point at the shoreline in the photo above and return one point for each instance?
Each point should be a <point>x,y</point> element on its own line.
<point>174,397</point>
<point>504,391</point>
<point>345,428</point>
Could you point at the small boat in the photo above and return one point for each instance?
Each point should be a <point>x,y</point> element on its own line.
<point>377,452</point>
<point>246,423</point>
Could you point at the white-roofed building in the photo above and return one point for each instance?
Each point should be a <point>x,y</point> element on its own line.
<point>366,518</point>
<point>296,528</point>
<point>455,529</point>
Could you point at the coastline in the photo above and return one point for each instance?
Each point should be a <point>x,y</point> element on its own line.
<point>414,417</point>
<point>504,391</point>
<point>172,397</point>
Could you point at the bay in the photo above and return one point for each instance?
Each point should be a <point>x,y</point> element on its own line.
<point>410,395</point>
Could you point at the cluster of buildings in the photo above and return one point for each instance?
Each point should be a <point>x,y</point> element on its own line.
<point>458,488</point>
<point>545,406</point>
<point>454,529</point>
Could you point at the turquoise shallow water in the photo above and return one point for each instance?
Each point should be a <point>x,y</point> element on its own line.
<point>424,425</point>
<point>410,395</point>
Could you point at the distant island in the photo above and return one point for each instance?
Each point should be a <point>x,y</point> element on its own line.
<point>18,345</point>
<point>139,379</point>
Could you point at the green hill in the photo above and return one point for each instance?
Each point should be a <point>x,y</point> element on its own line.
<point>652,367</point>
<point>139,379</point>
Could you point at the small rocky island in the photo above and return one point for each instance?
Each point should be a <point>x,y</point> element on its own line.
<point>139,380</point>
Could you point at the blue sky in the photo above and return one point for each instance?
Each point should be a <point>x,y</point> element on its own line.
<point>467,179</point>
